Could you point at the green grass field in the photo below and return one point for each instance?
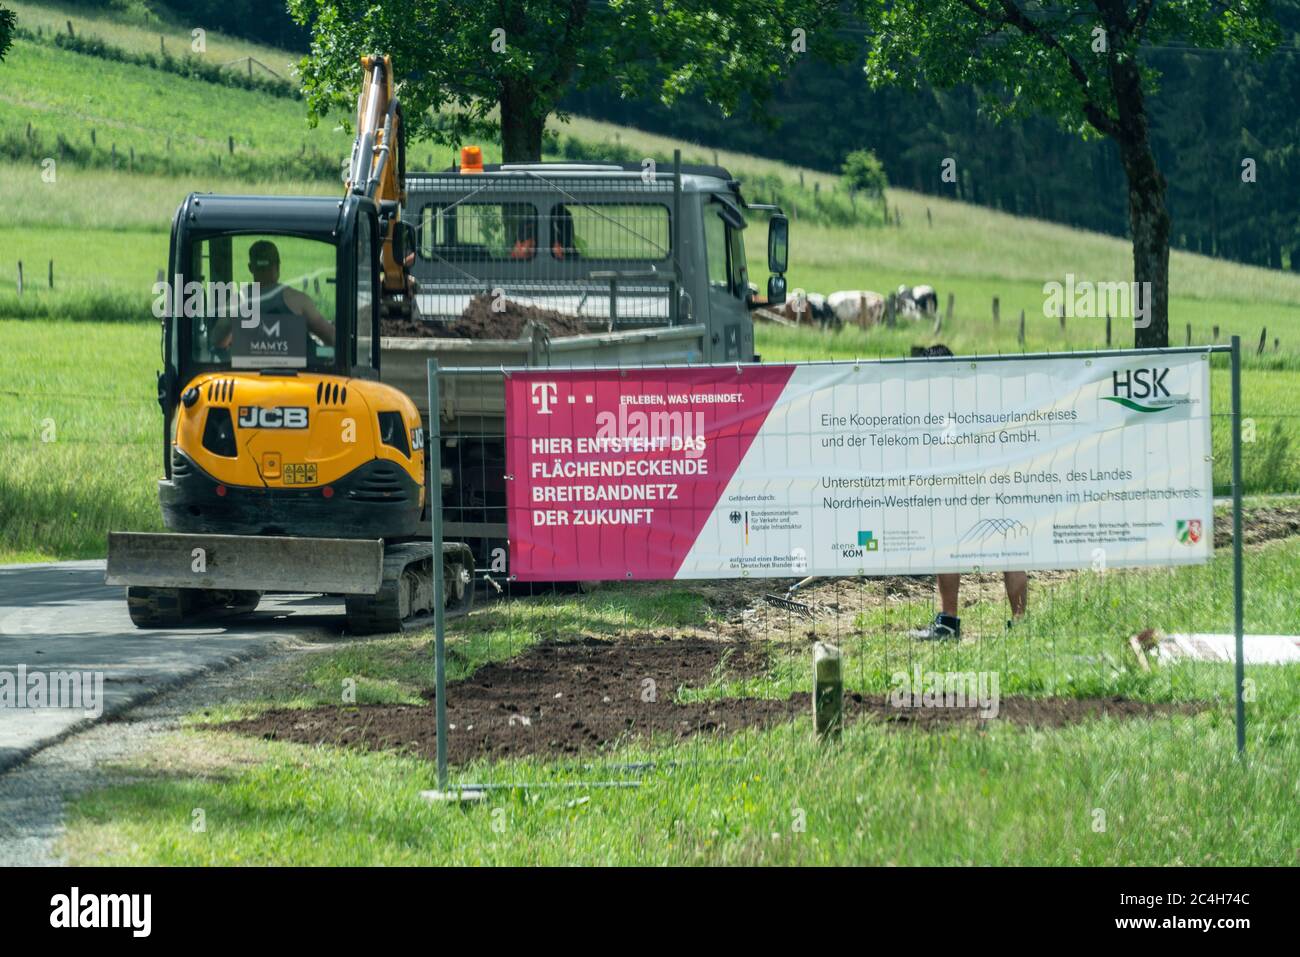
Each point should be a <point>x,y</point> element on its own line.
<point>1169,789</point>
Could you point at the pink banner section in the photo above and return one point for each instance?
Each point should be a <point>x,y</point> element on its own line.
<point>612,474</point>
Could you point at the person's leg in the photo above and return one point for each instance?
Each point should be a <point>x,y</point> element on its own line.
<point>948,588</point>
<point>1017,592</point>
<point>946,624</point>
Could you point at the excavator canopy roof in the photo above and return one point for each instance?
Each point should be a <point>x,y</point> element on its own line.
<point>304,215</point>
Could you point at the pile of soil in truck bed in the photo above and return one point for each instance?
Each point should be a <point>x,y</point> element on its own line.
<point>480,321</point>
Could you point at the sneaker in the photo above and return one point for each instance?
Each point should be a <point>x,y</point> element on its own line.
<point>943,628</point>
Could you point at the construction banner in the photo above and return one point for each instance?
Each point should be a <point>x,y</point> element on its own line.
<point>870,468</point>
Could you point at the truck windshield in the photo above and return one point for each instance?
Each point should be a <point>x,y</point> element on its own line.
<point>258,301</point>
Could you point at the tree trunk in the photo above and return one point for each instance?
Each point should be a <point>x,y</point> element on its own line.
<point>1147,213</point>
<point>522,125</point>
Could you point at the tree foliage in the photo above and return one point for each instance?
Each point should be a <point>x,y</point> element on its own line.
<point>6,30</point>
<point>464,64</point>
<point>863,172</point>
<point>1078,62</point>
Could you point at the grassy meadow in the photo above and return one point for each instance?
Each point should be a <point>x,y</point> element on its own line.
<point>1168,789</point>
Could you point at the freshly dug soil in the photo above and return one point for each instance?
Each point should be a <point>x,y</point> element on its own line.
<point>1259,525</point>
<point>479,321</point>
<point>558,699</point>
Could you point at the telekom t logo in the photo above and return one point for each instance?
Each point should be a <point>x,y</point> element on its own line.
<point>543,394</point>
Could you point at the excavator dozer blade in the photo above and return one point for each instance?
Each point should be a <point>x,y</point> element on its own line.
<point>262,563</point>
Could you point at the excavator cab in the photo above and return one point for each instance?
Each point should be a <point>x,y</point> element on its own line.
<point>276,423</point>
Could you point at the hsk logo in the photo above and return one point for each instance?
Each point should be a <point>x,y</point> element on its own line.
<point>133,911</point>
<point>1148,385</point>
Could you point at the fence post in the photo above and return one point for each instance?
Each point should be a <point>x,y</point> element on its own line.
<point>951,301</point>
<point>828,691</point>
<point>433,449</point>
<point>51,273</point>
<point>20,277</point>
<point>1189,333</point>
<point>1022,327</point>
<point>1238,600</point>
<point>1263,340</point>
<point>996,310</point>
<point>1108,327</point>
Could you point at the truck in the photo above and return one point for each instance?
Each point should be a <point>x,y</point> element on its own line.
<point>640,266</point>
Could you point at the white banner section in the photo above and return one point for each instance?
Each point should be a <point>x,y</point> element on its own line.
<point>961,465</point>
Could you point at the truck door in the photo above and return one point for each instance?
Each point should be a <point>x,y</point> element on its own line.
<point>728,280</point>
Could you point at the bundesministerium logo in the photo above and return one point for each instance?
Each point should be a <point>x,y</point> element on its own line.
<point>1148,385</point>
<point>1189,530</point>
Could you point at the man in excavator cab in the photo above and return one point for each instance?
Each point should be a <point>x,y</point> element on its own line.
<point>273,299</point>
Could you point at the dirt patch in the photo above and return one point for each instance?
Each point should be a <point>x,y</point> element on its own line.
<point>558,699</point>
<point>1259,525</point>
<point>481,321</point>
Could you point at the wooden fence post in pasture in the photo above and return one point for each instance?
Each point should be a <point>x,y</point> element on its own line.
<point>20,277</point>
<point>70,33</point>
<point>1189,333</point>
<point>92,136</point>
<point>1108,327</point>
<point>938,321</point>
<point>1277,344</point>
<point>715,163</point>
<point>952,299</point>
<point>112,156</point>
<point>828,691</point>
<point>1021,335</point>
<point>1216,335</point>
<point>230,145</point>
<point>929,217</point>
<point>1263,340</point>
<point>996,310</point>
<point>1062,317</point>
<point>131,165</point>
<point>162,45</point>
<point>898,217</point>
<point>51,273</point>
<point>891,309</point>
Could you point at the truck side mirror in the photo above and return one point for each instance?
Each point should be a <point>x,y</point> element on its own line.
<point>778,243</point>
<point>775,290</point>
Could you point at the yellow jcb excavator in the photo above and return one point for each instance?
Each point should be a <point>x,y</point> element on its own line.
<point>289,466</point>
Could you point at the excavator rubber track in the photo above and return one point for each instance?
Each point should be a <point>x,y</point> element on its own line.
<point>172,607</point>
<point>404,601</point>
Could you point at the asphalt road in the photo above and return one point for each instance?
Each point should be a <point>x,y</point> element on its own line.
<point>62,618</point>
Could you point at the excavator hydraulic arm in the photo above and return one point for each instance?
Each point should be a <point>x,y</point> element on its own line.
<point>378,170</point>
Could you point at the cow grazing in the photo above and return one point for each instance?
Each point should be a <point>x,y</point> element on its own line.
<point>859,307</point>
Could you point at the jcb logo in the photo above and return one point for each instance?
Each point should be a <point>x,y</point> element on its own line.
<point>1140,383</point>
<point>280,417</point>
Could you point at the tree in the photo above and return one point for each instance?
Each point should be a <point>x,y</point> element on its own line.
<point>1077,61</point>
<point>6,31</point>
<point>863,172</point>
<point>460,62</point>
